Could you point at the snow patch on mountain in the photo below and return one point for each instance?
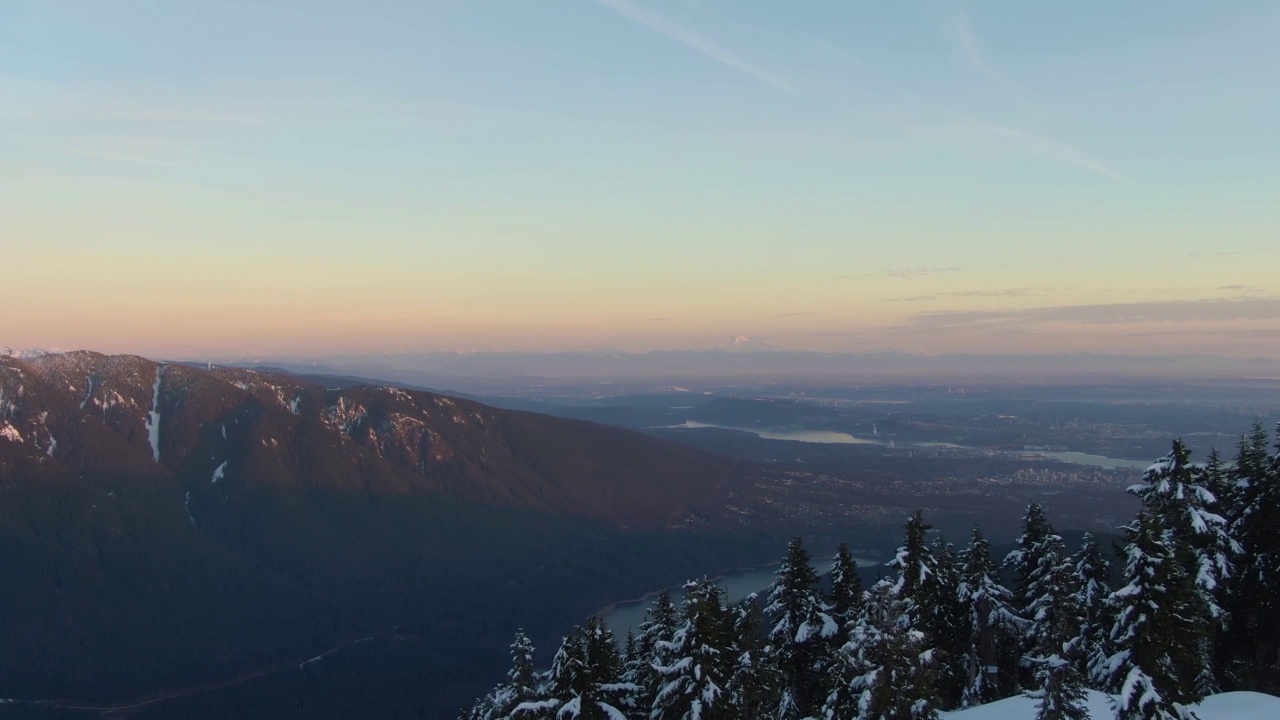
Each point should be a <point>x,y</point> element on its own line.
<point>397,393</point>
<point>219,472</point>
<point>10,433</point>
<point>186,505</point>
<point>88,393</point>
<point>345,415</point>
<point>742,343</point>
<point>153,417</point>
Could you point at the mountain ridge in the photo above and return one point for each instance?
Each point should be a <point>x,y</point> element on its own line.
<point>207,427</point>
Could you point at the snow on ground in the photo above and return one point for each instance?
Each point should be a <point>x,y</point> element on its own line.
<point>219,472</point>
<point>1224,706</point>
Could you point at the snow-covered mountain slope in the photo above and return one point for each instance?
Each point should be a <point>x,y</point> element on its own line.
<point>219,431</point>
<point>1224,706</point>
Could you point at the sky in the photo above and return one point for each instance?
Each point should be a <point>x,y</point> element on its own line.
<point>314,177</point>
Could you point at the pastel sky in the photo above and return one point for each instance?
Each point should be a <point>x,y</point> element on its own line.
<point>310,176</point>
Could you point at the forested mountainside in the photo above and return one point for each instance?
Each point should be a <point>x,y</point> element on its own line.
<point>166,527</point>
<point>212,429</point>
<point>1190,613</point>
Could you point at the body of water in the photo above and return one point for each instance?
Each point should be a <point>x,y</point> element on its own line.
<point>831,436</point>
<point>813,436</point>
<point>737,585</point>
<point>1101,461</point>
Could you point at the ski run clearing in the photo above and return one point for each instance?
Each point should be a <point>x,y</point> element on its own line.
<point>1225,706</point>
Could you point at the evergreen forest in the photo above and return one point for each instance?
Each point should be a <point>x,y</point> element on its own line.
<point>1189,610</point>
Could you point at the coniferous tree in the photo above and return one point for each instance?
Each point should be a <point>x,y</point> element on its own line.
<point>1023,561</point>
<point>584,682</point>
<point>1217,480</point>
<point>846,588</point>
<point>1025,556</point>
<point>989,661</point>
<point>913,564</point>
<point>1253,640</point>
<point>560,685</point>
<point>661,621</point>
<point>522,679</point>
<point>890,671</point>
<point>1177,492</point>
<point>1050,597</point>
<point>607,694</point>
<point>1159,615</point>
<point>755,682</point>
<point>800,630</point>
<point>944,621</point>
<point>696,663</point>
<point>1056,625</point>
<point>1174,491</point>
<point>1092,573</point>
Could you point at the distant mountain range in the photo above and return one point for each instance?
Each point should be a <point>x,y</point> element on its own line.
<point>170,526</point>
<point>745,360</point>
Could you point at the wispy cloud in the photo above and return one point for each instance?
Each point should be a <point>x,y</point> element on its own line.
<point>1206,310</point>
<point>790,314</point>
<point>1230,253</point>
<point>1008,292</point>
<point>913,272</point>
<point>964,35</point>
<point>695,42</point>
<point>1055,149</point>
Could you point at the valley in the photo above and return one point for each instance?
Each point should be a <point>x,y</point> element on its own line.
<point>266,519</point>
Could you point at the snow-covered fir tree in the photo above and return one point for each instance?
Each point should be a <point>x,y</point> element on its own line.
<point>1027,548</point>
<point>696,663</point>
<point>1028,555</point>
<point>584,682</point>
<point>990,656</point>
<point>1093,574</point>
<point>912,564</point>
<point>521,685</point>
<point>1159,617</point>
<point>1252,643</point>
<point>1174,491</point>
<point>845,601</point>
<point>944,621</point>
<point>1056,622</point>
<point>1050,596</point>
<point>887,669</point>
<point>800,630</point>
<point>755,682</point>
<point>660,623</point>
